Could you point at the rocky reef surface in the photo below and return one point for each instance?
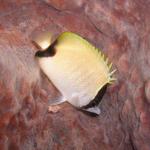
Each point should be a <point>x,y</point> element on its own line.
<point>121,29</point>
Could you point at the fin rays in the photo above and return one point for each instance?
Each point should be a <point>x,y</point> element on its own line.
<point>109,65</point>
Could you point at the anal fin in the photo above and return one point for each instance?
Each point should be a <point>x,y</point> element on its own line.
<point>92,110</point>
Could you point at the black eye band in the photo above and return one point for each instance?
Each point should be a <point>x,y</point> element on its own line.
<point>49,52</point>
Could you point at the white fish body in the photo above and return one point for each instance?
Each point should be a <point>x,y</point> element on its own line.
<point>78,70</point>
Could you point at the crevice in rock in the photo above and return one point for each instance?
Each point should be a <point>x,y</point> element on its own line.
<point>132,143</point>
<point>95,26</point>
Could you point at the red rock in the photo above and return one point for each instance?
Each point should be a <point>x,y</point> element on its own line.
<point>120,29</point>
<point>145,120</point>
<point>123,90</point>
<point>127,108</point>
<point>136,77</point>
<point>123,64</point>
<point>147,90</point>
<point>139,100</point>
<point>66,5</point>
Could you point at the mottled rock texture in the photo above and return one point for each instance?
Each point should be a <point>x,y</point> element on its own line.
<point>121,29</point>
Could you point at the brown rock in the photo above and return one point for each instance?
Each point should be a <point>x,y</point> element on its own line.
<point>123,64</point>
<point>147,90</point>
<point>136,76</point>
<point>64,5</point>
<point>121,30</point>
